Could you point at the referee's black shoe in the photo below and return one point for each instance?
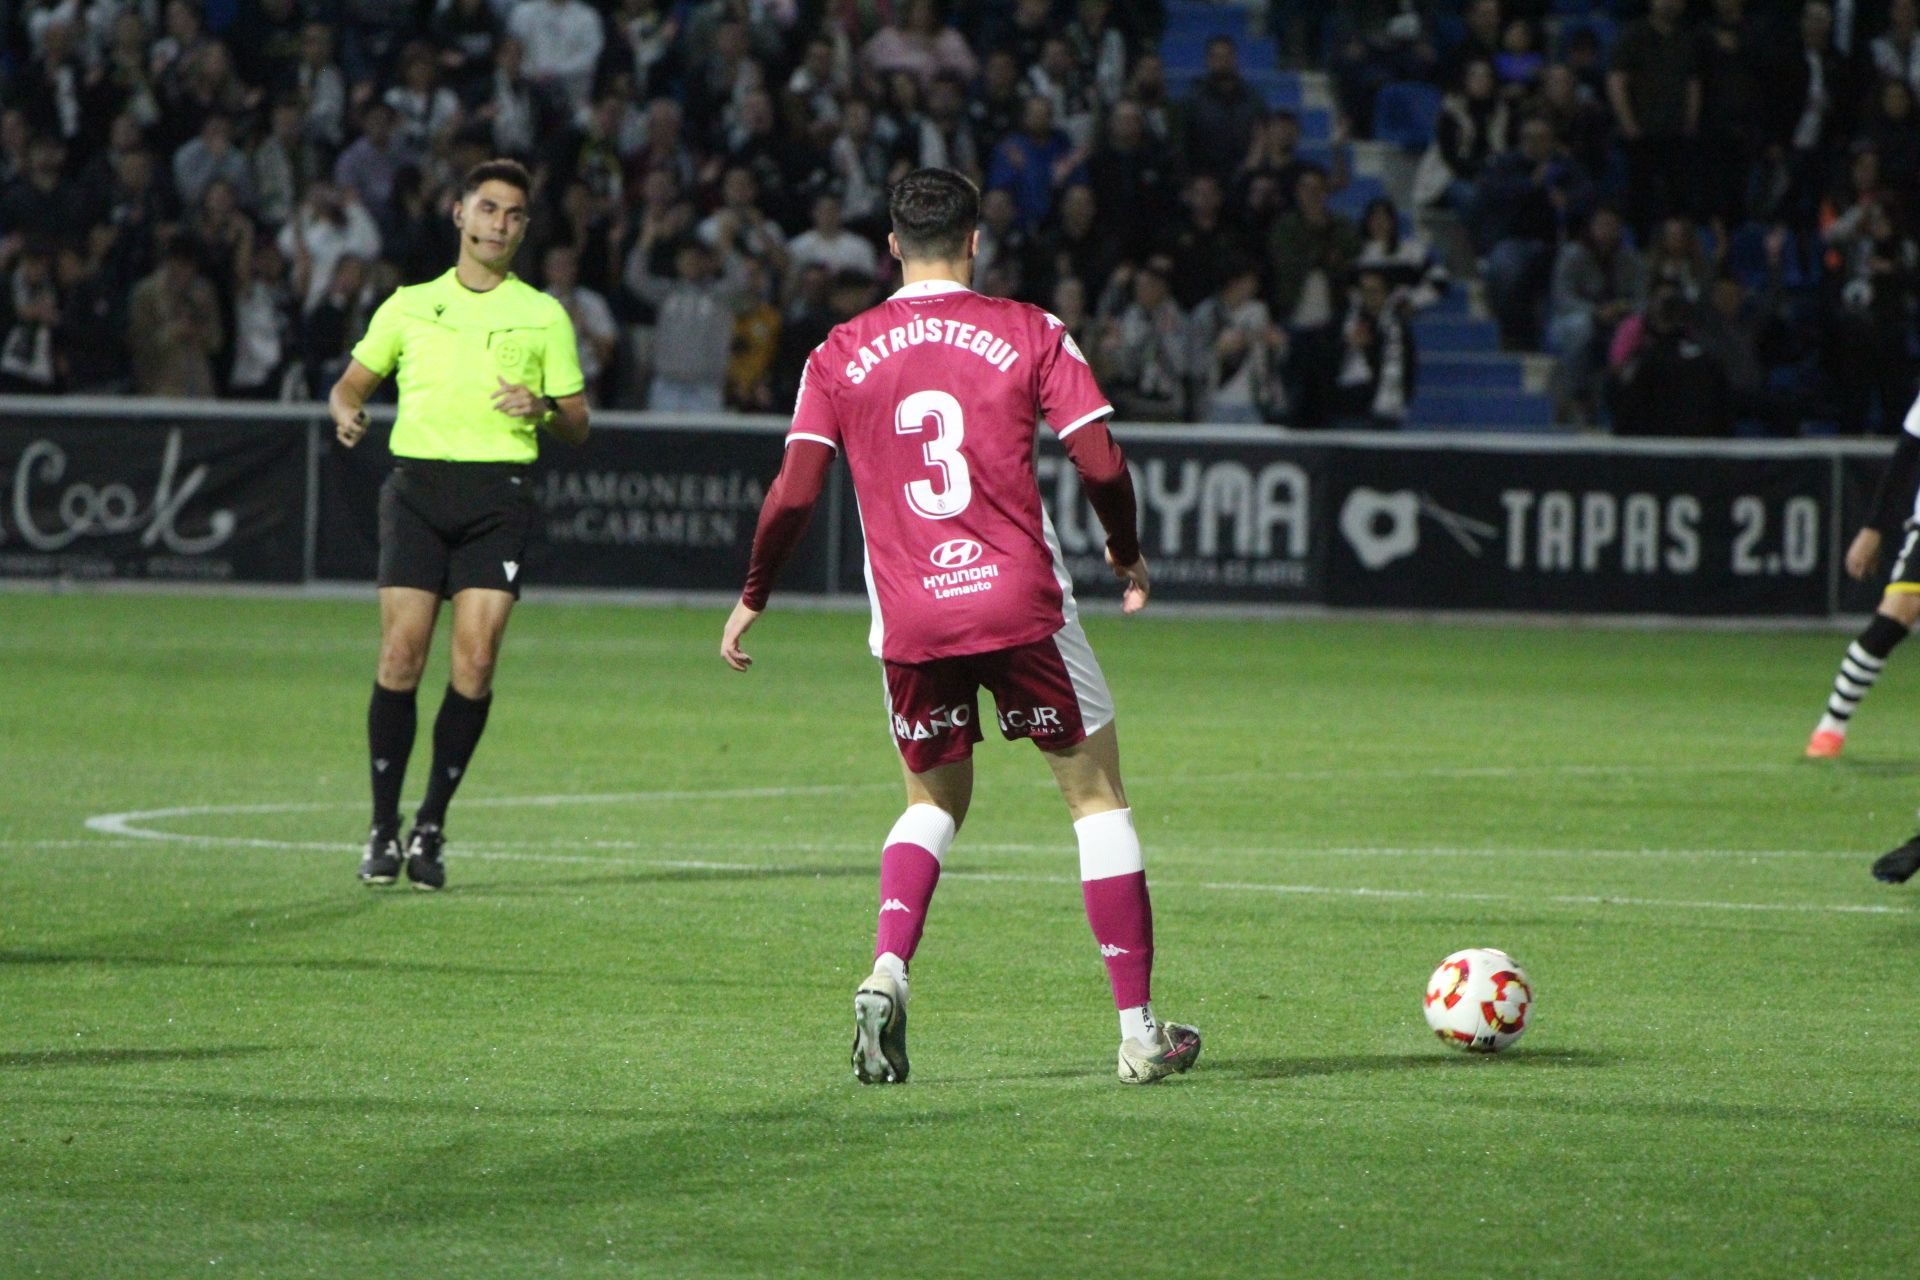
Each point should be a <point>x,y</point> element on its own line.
<point>382,863</point>
<point>424,867</point>
<point>1898,866</point>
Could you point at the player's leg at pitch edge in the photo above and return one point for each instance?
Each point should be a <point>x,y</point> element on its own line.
<point>909,872</point>
<point>1113,882</point>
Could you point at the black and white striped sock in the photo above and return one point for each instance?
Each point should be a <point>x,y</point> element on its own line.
<point>1865,659</point>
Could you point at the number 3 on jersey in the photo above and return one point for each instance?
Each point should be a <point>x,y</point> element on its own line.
<point>940,412</point>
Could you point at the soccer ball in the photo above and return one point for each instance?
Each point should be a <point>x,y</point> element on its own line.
<point>1479,1000</point>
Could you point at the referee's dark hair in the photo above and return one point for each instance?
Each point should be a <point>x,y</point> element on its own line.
<point>933,212</point>
<point>511,172</point>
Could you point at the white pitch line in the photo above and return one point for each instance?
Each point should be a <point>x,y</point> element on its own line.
<point>123,824</point>
<point>1425,895</point>
<point>1346,891</point>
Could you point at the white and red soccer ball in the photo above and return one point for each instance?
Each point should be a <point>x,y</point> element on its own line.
<point>1479,1000</point>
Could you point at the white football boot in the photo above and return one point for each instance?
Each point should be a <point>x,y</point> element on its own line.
<point>880,1030</point>
<point>1176,1048</point>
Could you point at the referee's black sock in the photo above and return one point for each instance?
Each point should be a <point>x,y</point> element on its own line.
<point>391,721</point>
<point>456,732</point>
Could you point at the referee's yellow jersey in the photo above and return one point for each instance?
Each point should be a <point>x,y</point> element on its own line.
<point>452,345</point>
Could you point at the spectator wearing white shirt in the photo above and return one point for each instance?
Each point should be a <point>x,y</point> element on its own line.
<point>918,43</point>
<point>330,225</point>
<point>829,244</point>
<point>815,89</point>
<point>740,222</point>
<point>321,86</point>
<point>593,323</point>
<point>1099,49</point>
<point>563,40</point>
<point>208,158</point>
<point>1896,54</point>
<point>510,112</point>
<point>424,110</point>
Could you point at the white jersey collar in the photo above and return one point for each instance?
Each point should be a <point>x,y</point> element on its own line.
<point>929,288</point>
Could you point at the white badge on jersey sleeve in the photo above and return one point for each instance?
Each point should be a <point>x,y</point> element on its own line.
<point>1066,337</point>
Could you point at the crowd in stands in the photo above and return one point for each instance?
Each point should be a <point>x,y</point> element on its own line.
<point>1706,211</point>
<point>209,199</point>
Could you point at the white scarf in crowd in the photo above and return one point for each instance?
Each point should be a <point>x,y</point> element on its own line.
<point>1390,392</point>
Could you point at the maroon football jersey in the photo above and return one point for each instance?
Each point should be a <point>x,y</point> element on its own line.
<point>933,397</point>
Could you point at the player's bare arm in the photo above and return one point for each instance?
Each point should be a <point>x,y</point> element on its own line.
<point>346,403</point>
<point>566,417</point>
<point>1863,555</point>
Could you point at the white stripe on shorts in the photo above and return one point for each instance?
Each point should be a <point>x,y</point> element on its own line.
<point>1089,685</point>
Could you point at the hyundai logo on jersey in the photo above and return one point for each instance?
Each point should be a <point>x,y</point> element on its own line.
<point>956,553</point>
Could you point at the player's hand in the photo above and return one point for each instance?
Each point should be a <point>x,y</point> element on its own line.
<point>516,401</point>
<point>1864,555</point>
<point>349,429</point>
<point>737,623</point>
<point>1134,598</point>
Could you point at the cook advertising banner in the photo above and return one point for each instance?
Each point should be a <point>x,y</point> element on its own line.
<point>92,498</point>
<point>1233,518</point>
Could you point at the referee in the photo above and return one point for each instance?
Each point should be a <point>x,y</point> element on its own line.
<point>484,361</point>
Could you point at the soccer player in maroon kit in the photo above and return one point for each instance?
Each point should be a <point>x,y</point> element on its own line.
<point>934,396</point>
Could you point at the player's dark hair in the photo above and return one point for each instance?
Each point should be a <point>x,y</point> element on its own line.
<point>511,172</point>
<point>933,212</point>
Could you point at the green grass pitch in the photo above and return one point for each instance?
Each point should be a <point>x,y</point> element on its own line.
<point>617,1045</point>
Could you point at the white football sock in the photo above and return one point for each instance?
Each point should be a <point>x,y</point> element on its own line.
<point>894,967</point>
<point>1138,1024</point>
<point>1831,724</point>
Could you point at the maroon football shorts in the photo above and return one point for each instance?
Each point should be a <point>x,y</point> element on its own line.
<point>1050,691</point>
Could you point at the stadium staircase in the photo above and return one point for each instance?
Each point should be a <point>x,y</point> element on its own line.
<point>1466,382</point>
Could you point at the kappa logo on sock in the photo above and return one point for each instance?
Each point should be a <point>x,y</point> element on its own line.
<point>380,766</point>
<point>894,904</point>
<point>453,772</point>
<point>1108,950</point>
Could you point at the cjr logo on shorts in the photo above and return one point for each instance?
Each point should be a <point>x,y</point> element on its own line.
<point>957,553</point>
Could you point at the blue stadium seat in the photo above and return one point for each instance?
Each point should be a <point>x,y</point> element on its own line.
<point>1480,409</point>
<point>1188,50</point>
<point>1207,20</point>
<point>1469,373</point>
<point>1405,113</point>
<point>1455,332</point>
<point>1359,192</point>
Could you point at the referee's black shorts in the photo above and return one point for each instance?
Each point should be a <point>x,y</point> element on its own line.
<point>448,526</point>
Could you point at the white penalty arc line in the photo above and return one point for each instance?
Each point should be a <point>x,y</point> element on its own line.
<point>124,826</point>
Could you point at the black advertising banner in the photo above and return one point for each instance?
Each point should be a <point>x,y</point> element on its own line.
<point>655,509</point>
<point>1859,481</point>
<point>1226,522</point>
<point>153,498</point>
<point>1226,517</point>
<point>347,548</point>
<point>1580,532</point>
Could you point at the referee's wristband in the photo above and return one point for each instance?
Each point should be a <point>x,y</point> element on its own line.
<point>553,406</point>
